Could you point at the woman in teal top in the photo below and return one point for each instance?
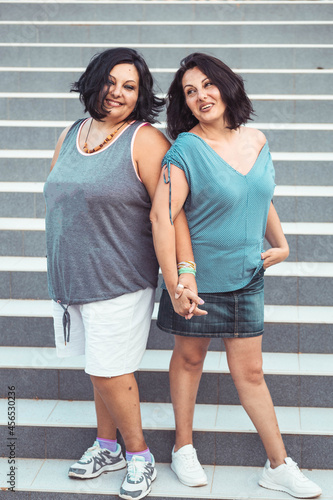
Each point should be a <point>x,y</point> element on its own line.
<point>222,173</point>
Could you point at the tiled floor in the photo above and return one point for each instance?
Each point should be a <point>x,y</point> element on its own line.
<point>224,482</point>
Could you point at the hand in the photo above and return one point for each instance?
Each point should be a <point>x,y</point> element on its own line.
<point>274,256</point>
<point>186,296</point>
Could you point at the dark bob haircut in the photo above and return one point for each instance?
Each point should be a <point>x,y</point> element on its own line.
<point>93,85</point>
<point>231,86</point>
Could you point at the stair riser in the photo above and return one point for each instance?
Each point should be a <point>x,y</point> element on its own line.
<point>237,57</point>
<point>26,81</point>
<point>214,448</point>
<point>297,173</point>
<point>279,140</point>
<point>44,383</point>
<point>290,209</point>
<point>285,290</point>
<point>249,34</point>
<point>293,338</point>
<point>142,12</point>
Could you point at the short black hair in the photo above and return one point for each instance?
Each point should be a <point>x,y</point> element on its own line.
<point>231,86</point>
<point>96,79</point>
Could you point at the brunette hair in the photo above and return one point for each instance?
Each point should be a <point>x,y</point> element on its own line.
<point>93,85</point>
<point>231,86</point>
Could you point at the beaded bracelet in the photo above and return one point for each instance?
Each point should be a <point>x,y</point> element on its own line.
<point>187,266</point>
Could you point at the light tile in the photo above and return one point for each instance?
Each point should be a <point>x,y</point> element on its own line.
<point>29,308</point>
<point>283,363</point>
<point>21,224</point>
<point>27,470</point>
<point>73,413</point>
<point>167,484</point>
<point>29,264</point>
<point>317,421</point>
<point>316,364</point>
<point>153,362</point>
<point>29,412</point>
<point>233,418</point>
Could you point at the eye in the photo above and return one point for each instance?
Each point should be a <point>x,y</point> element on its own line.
<point>190,92</point>
<point>129,87</point>
<point>207,84</point>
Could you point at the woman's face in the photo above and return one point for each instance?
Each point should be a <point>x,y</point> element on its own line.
<point>123,92</point>
<point>202,96</point>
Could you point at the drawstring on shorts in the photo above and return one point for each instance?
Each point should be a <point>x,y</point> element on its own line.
<point>66,322</point>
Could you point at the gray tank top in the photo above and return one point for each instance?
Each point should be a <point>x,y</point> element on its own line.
<point>98,232</point>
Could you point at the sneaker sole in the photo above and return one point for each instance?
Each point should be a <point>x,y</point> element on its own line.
<point>203,483</point>
<point>128,497</point>
<point>107,468</point>
<point>275,487</point>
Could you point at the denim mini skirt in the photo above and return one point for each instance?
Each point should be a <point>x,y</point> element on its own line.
<point>239,313</point>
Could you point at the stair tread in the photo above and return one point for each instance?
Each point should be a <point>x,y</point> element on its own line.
<point>159,416</point>
<point>158,360</point>
<point>234,483</point>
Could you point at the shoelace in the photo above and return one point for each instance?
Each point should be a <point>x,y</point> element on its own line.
<point>191,460</point>
<point>89,452</point>
<point>297,471</point>
<point>136,469</point>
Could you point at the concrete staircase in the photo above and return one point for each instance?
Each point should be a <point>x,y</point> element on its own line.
<point>283,49</point>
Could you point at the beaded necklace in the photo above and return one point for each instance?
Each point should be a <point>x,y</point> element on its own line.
<point>106,140</point>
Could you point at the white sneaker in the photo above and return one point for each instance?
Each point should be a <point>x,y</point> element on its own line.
<point>140,475</point>
<point>288,478</point>
<point>187,468</point>
<point>97,460</point>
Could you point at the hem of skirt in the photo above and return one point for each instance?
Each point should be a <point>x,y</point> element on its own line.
<point>210,335</point>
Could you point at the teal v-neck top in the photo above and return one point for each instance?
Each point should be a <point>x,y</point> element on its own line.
<point>226,212</point>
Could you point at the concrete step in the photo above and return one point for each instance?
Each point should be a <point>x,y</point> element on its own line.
<point>304,431</point>
<point>316,137</point>
<point>294,379</point>
<point>180,32</point>
<point>291,169</point>
<point>269,108</point>
<point>29,79</point>
<point>169,11</point>
<point>290,283</point>
<point>25,237</point>
<point>290,208</point>
<point>300,56</point>
<point>38,477</point>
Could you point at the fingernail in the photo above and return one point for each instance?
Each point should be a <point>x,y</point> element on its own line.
<point>177,295</point>
<point>201,302</point>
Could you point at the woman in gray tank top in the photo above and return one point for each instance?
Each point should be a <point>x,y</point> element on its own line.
<point>102,269</point>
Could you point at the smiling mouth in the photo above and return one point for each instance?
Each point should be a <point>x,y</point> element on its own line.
<point>206,107</point>
<point>114,104</point>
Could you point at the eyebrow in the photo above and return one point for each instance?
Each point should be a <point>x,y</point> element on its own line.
<point>191,85</point>
<point>127,81</point>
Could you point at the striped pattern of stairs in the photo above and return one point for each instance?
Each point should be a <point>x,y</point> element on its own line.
<point>283,50</point>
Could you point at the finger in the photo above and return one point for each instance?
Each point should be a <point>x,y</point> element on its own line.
<point>179,291</point>
<point>199,312</point>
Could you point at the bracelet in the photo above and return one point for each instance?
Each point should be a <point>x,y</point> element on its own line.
<point>187,266</point>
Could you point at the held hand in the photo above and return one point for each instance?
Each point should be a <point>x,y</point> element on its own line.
<point>274,256</point>
<point>186,298</point>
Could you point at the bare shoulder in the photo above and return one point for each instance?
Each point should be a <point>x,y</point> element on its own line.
<point>149,136</point>
<point>58,146</point>
<point>256,136</point>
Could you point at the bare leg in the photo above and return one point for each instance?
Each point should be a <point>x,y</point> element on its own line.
<point>121,398</point>
<point>245,364</point>
<point>185,372</point>
<point>106,429</point>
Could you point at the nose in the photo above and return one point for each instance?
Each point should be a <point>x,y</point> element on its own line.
<point>202,95</point>
<point>116,90</point>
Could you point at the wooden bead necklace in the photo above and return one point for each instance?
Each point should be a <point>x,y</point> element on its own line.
<point>106,140</point>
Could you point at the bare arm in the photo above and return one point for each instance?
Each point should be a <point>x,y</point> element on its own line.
<point>275,237</point>
<point>58,146</point>
<point>165,238</point>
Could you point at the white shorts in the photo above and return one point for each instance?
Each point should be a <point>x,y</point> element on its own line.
<point>111,333</point>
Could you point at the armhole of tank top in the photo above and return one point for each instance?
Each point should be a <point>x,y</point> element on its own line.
<point>132,147</point>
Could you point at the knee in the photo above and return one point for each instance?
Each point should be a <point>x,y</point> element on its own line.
<point>194,361</point>
<point>252,375</point>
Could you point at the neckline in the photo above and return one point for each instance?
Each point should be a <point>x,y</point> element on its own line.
<point>225,162</point>
<point>100,150</point>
